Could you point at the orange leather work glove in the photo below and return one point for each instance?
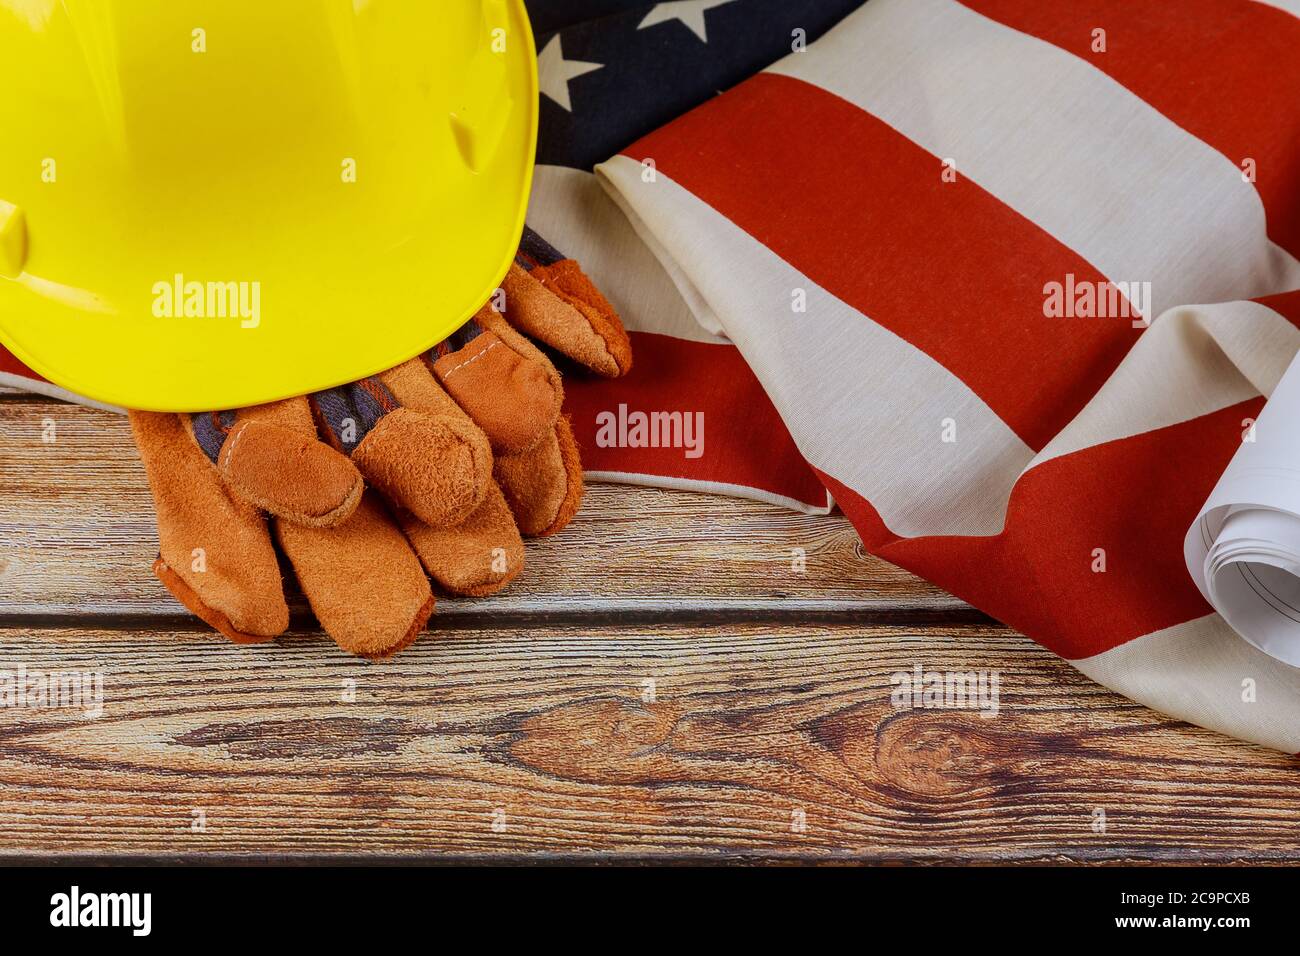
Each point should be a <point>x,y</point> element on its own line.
<point>439,465</point>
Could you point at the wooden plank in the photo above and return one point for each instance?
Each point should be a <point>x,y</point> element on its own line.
<point>77,537</point>
<point>751,730</point>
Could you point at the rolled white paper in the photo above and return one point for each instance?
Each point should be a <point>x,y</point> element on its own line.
<point>1243,550</point>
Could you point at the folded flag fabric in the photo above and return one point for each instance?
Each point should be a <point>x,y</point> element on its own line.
<point>1017,277</point>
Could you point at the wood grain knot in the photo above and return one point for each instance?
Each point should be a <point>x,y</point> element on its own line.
<point>932,753</point>
<point>605,740</point>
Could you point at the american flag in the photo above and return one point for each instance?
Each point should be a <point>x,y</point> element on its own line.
<point>887,227</point>
<point>1007,280</point>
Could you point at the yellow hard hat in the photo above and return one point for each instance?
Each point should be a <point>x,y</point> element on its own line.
<point>207,204</point>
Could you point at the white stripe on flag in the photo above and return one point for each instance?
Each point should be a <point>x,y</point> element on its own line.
<point>727,489</point>
<point>1290,6</point>
<point>1202,672</point>
<point>569,209</point>
<point>24,384</point>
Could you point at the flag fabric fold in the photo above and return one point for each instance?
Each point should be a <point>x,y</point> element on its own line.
<point>1017,277</point>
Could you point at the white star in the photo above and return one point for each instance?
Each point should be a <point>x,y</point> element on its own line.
<point>554,72</point>
<point>690,12</point>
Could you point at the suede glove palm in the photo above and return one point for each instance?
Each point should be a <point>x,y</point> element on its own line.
<point>438,465</point>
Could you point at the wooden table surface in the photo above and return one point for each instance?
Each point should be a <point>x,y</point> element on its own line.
<point>663,682</point>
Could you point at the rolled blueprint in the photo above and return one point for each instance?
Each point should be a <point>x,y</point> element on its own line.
<point>1243,550</point>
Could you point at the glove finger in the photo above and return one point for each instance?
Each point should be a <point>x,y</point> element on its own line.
<point>411,442</point>
<point>543,486</point>
<point>478,557</point>
<point>215,552</point>
<point>270,456</point>
<point>501,381</point>
<point>550,298</point>
<point>362,580</point>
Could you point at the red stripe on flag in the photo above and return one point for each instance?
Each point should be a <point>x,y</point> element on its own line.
<point>854,205</point>
<point>745,441</point>
<point>1134,497</point>
<point>9,364</point>
<point>1285,304</point>
<point>1227,71</point>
